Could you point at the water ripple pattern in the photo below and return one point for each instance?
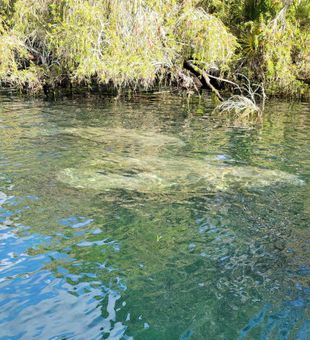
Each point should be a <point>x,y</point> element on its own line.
<point>138,219</point>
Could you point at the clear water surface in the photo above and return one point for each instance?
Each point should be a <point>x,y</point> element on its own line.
<point>139,219</point>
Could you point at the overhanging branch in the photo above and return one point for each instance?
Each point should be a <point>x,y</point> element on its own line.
<point>203,76</point>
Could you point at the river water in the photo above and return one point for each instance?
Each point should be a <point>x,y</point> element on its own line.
<point>140,219</point>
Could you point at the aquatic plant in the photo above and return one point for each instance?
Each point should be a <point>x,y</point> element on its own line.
<point>243,108</point>
<point>239,109</point>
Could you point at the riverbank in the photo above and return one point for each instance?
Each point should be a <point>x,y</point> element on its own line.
<point>55,46</point>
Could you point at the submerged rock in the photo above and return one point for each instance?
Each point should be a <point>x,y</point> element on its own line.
<point>151,174</point>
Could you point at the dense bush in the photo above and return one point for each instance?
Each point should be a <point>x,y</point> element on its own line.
<point>49,43</point>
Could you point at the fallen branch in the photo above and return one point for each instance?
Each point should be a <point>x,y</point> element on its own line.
<point>203,76</point>
<point>225,81</point>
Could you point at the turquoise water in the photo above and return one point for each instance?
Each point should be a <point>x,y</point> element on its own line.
<point>139,219</point>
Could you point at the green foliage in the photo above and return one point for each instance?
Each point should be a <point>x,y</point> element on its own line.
<point>274,40</point>
<point>273,48</point>
<point>122,42</point>
<point>137,43</point>
<point>205,38</point>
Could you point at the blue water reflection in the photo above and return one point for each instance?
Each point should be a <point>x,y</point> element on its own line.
<point>29,292</point>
